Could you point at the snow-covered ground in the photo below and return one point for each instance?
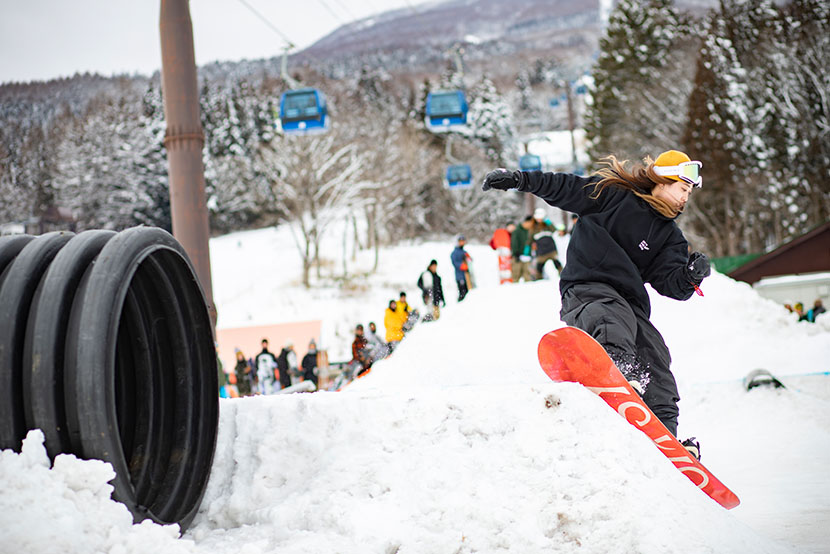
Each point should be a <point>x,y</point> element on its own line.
<point>459,443</point>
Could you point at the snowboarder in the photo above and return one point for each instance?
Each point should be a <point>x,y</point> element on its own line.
<point>626,237</point>
<point>377,348</point>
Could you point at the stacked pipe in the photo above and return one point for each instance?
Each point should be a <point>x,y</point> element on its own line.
<point>106,346</point>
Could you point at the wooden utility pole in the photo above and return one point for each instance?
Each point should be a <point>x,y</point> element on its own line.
<point>184,140</point>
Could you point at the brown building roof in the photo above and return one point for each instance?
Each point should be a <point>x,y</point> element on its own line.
<point>806,254</point>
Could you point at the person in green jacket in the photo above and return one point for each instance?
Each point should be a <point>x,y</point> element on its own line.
<point>520,250</point>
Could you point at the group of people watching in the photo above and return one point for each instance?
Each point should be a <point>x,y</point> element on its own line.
<point>268,373</point>
<point>811,314</point>
<point>532,245</point>
<point>399,318</point>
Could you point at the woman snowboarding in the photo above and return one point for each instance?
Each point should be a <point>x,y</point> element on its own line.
<point>626,236</point>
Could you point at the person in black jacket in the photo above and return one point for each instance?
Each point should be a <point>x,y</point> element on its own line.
<point>541,235</point>
<point>433,292</point>
<point>287,365</point>
<point>309,363</point>
<point>626,236</point>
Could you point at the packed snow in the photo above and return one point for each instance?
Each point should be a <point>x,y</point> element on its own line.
<point>458,442</point>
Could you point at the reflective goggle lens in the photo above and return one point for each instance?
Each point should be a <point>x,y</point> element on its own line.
<point>690,172</point>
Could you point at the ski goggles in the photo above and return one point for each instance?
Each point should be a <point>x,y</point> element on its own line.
<point>686,171</point>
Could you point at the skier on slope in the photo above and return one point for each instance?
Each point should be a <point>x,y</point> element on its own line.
<point>626,236</point>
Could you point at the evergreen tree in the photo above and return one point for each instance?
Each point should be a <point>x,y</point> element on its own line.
<point>804,78</point>
<point>642,80</point>
<point>735,128</point>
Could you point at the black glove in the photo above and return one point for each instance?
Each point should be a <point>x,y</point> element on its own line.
<point>698,267</point>
<point>501,179</point>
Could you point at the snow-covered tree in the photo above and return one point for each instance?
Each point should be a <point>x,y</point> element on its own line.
<point>642,80</point>
<point>738,128</point>
<point>490,120</point>
<point>316,181</point>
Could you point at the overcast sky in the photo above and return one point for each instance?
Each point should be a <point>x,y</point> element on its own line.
<point>44,39</point>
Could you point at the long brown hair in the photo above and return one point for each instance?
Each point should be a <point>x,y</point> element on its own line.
<point>640,180</point>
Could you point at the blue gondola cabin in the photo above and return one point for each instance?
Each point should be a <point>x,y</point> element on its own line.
<point>530,162</point>
<point>446,111</point>
<point>303,111</point>
<point>458,176</point>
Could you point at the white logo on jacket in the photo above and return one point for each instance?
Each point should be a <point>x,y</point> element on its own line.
<point>643,245</point>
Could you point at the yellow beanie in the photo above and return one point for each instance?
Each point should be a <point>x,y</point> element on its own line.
<point>671,158</point>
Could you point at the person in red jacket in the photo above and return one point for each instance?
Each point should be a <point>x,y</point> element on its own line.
<point>361,361</point>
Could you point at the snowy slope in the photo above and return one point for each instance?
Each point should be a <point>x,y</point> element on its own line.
<point>459,443</point>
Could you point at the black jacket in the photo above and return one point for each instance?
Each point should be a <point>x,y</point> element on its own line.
<point>619,239</point>
<point>282,365</point>
<point>308,364</point>
<point>436,290</point>
<point>542,235</point>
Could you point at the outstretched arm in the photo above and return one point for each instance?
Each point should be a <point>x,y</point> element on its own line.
<point>563,190</point>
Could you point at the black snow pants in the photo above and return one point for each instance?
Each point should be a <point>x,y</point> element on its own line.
<point>630,339</point>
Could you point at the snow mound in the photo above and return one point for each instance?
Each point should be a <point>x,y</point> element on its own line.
<point>543,468</point>
<point>67,508</point>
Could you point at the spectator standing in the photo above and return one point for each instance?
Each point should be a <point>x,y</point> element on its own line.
<point>393,321</point>
<point>243,374</point>
<point>266,363</point>
<point>430,284</point>
<point>817,309</point>
<point>287,364</point>
<point>224,382</point>
<point>403,305</point>
<point>425,283</point>
<point>541,235</point>
<point>520,251</point>
<point>309,363</point>
<point>799,309</point>
<point>460,261</point>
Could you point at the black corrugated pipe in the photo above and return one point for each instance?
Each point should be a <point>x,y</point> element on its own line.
<point>106,346</point>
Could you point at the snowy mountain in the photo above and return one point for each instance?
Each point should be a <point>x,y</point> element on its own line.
<point>494,33</point>
<point>459,443</point>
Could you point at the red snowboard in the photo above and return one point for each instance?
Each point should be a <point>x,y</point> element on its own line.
<point>500,242</point>
<point>570,354</point>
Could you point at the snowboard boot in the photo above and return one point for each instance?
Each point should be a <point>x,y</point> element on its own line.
<point>633,370</point>
<point>637,387</point>
<point>693,446</point>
